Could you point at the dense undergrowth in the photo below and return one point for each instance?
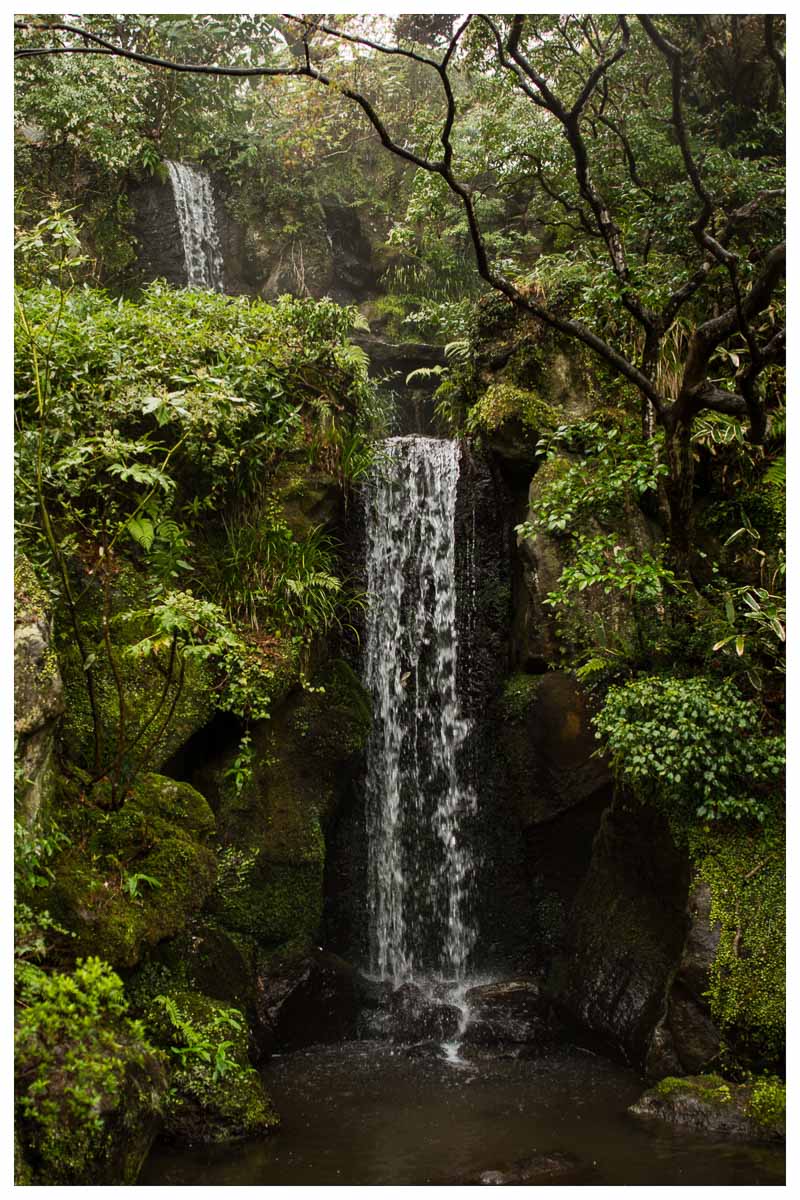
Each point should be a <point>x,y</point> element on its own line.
<point>683,659</point>
<point>166,446</point>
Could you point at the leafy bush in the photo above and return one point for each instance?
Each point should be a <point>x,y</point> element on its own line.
<point>613,462</point>
<point>83,1069</point>
<point>692,747</point>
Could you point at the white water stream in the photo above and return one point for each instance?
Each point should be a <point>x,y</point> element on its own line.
<point>197,219</point>
<point>421,865</point>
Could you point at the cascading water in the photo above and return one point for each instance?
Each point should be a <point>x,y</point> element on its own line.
<point>419,804</point>
<point>197,219</point>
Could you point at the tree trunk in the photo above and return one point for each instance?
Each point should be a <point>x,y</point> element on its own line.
<point>680,492</point>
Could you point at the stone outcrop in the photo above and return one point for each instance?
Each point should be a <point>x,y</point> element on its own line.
<point>625,933</point>
<point>516,1011</point>
<point>687,1040</point>
<point>306,997</point>
<point>129,878</point>
<point>710,1105</point>
<point>38,695</point>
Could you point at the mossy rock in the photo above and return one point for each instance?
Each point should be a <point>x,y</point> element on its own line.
<point>131,877</point>
<point>273,857</point>
<point>548,746</point>
<point>38,695</point>
<point>275,903</point>
<point>90,1087</point>
<point>212,960</point>
<point>308,498</point>
<point>710,1104</point>
<point>745,871</point>
<point>147,701</point>
<point>215,1094</point>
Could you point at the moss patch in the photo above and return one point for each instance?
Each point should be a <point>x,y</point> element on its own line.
<point>519,693</point>
<point>131,877</point>
<point>504,401</point>
<point>90,1086</point>
<point>273,855</point>
<point>745,871</point>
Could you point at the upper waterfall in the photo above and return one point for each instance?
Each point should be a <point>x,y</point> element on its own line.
<point>420,863</point>
<point>197,218</point>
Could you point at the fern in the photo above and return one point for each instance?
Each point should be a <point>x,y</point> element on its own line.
<point>425,373</point>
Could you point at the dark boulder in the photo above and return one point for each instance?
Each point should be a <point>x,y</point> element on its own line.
<point>542,1169</point>
<point>415,1017</point>
<point>625,933</point>
<point>306,998</point>
<point>687,1039</point>
<point>516,1011</point>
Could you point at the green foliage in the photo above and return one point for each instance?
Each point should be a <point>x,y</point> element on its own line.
<point>692,747</point>
<point>203,634</point>
<point>602,563</point>
<point>768,1100</point>
<point>240,772</point>
<point>139,419</point>
<point>133,882</point>
<point>34,849</point>
<point>214,1093</point>
<point>613,465</point>
<point>206,1044</point>
<point>80,1061</point>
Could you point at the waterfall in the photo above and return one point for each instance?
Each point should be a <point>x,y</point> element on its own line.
<point>418,803</point>
<point>197,219</point>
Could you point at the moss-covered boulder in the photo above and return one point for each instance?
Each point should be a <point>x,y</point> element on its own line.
<point>215,1094</point>
<point>38,694</point>
<point>273,847</point>
<point>743,867</point>
<point>131,876</point>
<point>90,1087</point>
<point>165,700</point>
<point>753,1111</point>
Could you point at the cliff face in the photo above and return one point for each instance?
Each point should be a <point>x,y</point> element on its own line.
<point>337,260</point>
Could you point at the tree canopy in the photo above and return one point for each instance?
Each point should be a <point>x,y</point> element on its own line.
<point>620,180</point>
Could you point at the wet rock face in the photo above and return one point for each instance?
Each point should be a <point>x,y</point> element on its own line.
<point>414,1017</point>
<point>306,998</point>
<point>625,933</point>
<point>515,1012</point>
<point>549,746</point>
<point>38,692</point>
<point>353,274</point>
<point>687,1039</point>
<point>158,234</point>
<point>710,1105</point>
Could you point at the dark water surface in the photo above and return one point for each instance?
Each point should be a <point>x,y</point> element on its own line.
<point>366,1113</point>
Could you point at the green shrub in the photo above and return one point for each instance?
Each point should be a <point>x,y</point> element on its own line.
<point>691,746</point>
<point>89,1083</point>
